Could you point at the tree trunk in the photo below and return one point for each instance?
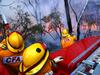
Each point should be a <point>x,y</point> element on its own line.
<point>68,16</point>
<point>78,31</point>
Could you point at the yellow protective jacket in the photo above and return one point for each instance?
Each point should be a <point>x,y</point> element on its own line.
<point>10,59</point>
<point>67,41</point>
<point>45,69</point>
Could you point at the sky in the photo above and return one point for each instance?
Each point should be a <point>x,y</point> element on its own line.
<point>79,6</point>
<point>45,7</point>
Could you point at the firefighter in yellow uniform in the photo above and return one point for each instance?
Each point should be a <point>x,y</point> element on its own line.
<point>67,39</point>
<point>36,61</point>
<point>11,50</point>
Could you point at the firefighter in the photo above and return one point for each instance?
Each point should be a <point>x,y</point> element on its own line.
<point>67,39</point>
<point>11,50</point>
<point>36,61</point>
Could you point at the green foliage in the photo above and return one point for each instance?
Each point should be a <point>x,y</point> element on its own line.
<point>55,16</point>
<point>37,28</point>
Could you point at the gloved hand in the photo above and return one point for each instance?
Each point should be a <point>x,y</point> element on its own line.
<point>49,73</point>
<point>2,46</point>
<point>58,59</point>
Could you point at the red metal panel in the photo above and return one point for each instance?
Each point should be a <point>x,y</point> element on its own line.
<point>77,52</point>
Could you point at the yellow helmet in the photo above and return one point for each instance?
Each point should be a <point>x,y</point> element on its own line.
<point>15,42</point>
<point>65,33</point>
<point>34,56</point>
